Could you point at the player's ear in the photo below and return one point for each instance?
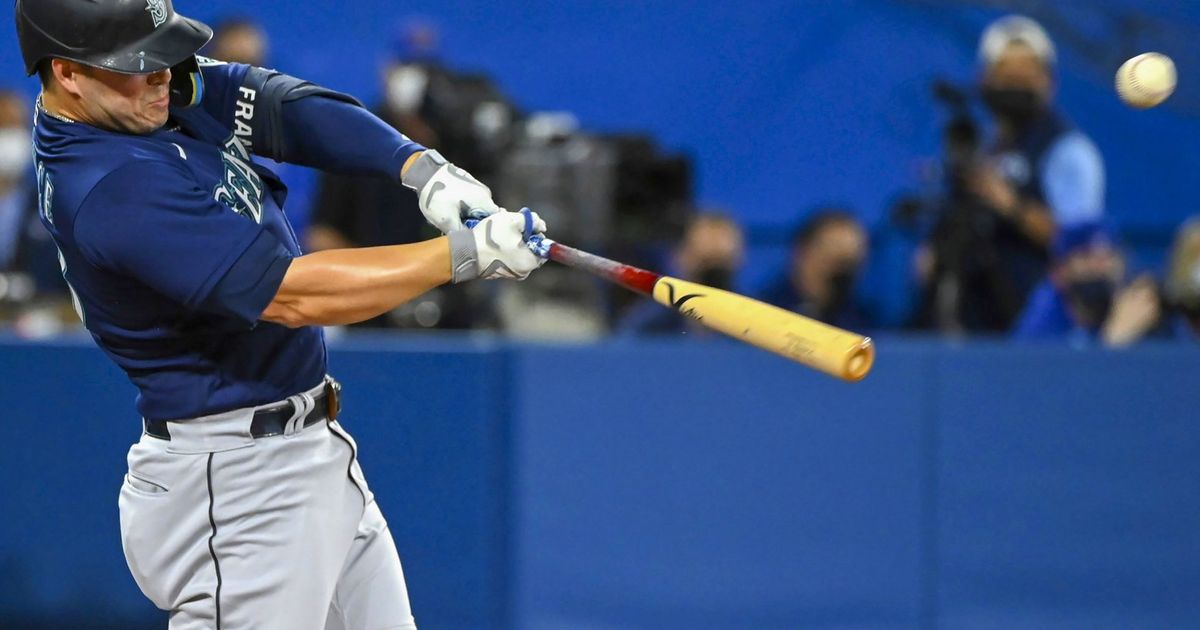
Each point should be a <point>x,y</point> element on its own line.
<point>66,74</point>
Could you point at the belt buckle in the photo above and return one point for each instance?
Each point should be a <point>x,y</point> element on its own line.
<point>333,399</point>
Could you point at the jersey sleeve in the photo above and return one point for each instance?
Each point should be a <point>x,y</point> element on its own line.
<point>291,120</point>
<point>150,221</point>
<point>221,81</point>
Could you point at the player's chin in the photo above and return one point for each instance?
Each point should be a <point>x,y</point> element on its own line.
<point>151,120</point>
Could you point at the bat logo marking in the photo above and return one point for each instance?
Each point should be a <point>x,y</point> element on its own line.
<point>678,304</point>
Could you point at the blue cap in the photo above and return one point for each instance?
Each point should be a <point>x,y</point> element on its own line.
<point>1082,236</point>
<point>415,40</point>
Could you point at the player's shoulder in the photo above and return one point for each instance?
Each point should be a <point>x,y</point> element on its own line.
<point>91,158</point>
<point>218,73</point>
<point>76,161</point>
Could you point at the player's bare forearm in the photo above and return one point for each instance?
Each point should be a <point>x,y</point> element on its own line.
<point>345,286</point>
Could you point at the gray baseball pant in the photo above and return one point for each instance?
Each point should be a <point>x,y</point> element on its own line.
<point>229,532</point>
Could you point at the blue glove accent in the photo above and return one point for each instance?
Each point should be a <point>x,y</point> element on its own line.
<point>537,243</point>
<point>528,224</point>
<point>475,216</point>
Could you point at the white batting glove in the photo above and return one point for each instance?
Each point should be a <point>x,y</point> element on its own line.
<point>497,247</point>
<point>446,192</point>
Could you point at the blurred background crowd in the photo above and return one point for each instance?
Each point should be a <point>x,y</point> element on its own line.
<point>1006,230</point>
<point>930,168</point>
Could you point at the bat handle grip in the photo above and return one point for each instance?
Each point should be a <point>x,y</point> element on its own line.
<point>538,244</point>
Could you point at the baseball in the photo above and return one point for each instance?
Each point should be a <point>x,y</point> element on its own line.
<point>1146,80</point>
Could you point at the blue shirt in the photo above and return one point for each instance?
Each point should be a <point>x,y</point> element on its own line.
<point>173,243</point>
<point>1057,164</point>
<point>1073,180</point>
<point>1046,317</point>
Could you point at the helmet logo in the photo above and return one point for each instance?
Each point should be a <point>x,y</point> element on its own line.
<point>158,11</point>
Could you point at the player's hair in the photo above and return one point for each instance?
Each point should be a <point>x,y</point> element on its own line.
<point>817,221</point>
<point>45,72</point>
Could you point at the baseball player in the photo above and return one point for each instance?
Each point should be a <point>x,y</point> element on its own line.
<point>244,505</point>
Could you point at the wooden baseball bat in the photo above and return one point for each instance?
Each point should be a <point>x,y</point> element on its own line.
<point>837,352</point>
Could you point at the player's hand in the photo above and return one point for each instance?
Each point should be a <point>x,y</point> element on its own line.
<point>497,247</point>
<point>445,192</point>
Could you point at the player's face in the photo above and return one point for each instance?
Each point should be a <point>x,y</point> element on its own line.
<point>132,103</point>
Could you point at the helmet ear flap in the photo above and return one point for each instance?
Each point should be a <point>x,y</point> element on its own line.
<point>187,84</point>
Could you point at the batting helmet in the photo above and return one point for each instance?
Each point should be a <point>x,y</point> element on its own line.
<point>127,36</point>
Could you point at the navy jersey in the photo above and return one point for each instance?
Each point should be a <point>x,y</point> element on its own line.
<point>173,243</point>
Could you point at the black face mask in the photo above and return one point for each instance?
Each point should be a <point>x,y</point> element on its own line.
<point>715,277</point>
<point>1093,298</point>
<point>1019,106</point>
<point>841,288</point>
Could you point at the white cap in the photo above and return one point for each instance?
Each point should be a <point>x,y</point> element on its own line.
<point>1013,29</point>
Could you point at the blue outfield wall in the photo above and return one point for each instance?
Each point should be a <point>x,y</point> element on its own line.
<point>681,484</point>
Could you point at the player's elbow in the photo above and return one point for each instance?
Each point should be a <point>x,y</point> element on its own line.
<point>290,313</point>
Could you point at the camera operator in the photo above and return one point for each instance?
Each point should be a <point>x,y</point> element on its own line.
<point>1004,205</point>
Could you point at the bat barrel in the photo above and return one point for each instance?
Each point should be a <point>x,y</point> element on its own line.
<point>840,353</point>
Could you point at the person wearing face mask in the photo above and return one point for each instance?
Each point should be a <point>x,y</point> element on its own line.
<point>828,254</point>
<point>1039,174</point>
<point>28,262</point>
<point>711,254</point>
<point>1085,298</point>
<point>1043,171</point>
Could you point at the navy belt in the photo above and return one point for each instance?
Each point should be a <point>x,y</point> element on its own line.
<point>273,420</point>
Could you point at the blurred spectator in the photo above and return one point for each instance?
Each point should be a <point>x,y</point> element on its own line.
<point>828,254</point>
<point>239,40</point>
<point>32,291</point>
<point>1085,298</point>
<point>989,247</point>
<point>463,114</point>
<point>366,212</point>
<point>26,249</point>
<point>1181,287</point>
<point>711,254</point>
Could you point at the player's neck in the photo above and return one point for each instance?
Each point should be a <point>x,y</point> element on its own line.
<point>60,106</point>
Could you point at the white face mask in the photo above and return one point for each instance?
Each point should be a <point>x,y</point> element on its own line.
<point>16,151</point>
<point>406,89</point>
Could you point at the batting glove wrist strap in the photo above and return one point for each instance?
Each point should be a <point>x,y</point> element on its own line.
<point>446,193</point>
<point>423,170</point>
<point>464,256</point>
